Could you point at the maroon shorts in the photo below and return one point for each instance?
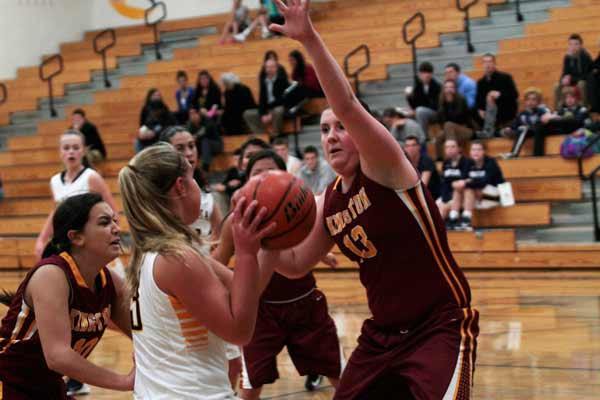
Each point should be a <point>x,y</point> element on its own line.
<point>305,328</point>
<point>33,391</point>
<point>434,360</point>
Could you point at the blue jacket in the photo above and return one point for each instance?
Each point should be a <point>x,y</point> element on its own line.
<point>468,88</point>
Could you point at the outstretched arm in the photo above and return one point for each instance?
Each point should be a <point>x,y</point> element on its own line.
<point>382,158</point>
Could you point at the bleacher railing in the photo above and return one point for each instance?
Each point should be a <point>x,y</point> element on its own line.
<point>464,8</point>
<point>101,47</point>
<point>592,178</point>
<point>150,19</point>
<point>355,75</point>
<point>44,66</point>
<point>412,41</point>
<point>3,93</point>
<point>518,11</point>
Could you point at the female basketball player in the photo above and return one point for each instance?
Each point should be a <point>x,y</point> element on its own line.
<point>420,342</point>
<point>185,304</point>
<point>76,178</point>
<point>63,306</point>
<point>292,313</point>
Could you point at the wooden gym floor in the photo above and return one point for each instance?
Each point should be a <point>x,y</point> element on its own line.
<point>540,335</point>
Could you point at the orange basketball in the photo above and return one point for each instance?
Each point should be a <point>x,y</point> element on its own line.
<point>289,202</point>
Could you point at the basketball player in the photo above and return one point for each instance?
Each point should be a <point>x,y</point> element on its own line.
<point>292,313</point>
<point>185,304</point>
<point>62,307</point>
<point>420,341</point>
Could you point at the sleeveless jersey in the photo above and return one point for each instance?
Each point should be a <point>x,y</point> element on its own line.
<point>176,356</point>
<point>62,190</point>
<point>282,289</point>
<point>399,241</point>
<point>22,359</point>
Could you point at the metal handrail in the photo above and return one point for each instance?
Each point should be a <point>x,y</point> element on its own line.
<point>592,178</point>
<point>465,9</point>
<point>154,24</point>
<point>102,50</point>
<point>580,158</point>
<point>4,92</point>
<point>413,40</point>
<point>518,11</point>
<point>355,75</point>
<point>50,77</point>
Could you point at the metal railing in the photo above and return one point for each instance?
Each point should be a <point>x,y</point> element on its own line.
<point>355,75</point>
<point>592,179</point>
<point>3,93</point>
<point>465,9</point>
<point>518,11</point>
<point>49,77</point>
<point>412,41</point>
<point>101,50</point>
<point>154,23</point>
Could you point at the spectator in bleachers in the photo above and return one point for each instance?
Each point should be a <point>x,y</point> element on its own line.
<point>424,97</point>
<point>424,164</point>
<point>402,127</point>
<point>497,98</point>
<point>464,84</point>
<point>577,64</point>
<point>272,55</point>
<point>593,86</point>
<point>455,118</point>
<point>528,120</point>
<point>185,97</point>
<point>207,97</point>
<point>208,139</point>
<point>315,172</point>
<point>454,182</point>
<point>155,117</point>
<point>240,21</point>
<point>281,147</point>
<point>233,180</point>
<point>269,115</point>
<point>238,98</point>
<point>267,14</point>
<point>483,179</point>
<point>95,150</point>
<point>305,84</point>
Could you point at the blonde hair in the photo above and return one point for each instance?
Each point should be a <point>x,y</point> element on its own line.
<point>144,184</point>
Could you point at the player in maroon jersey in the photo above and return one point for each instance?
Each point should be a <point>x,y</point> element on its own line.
<point>292,313</point>
<point>64,304</point>
<point>420,341</point>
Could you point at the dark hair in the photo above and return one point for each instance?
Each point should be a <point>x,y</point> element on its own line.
<point>392,113</point>
<point>412,137</point>
<point>181,74</point>
<point>149,94</point>
<point>576,36</point>
<point>211,82</point>
<point>311,149</point>
<point>426,67</point>
<point>300,63</point>
<point>489,55</point>
<point>271,54</point>
<point>281,141</point>
<point>478,142</point>
<point>79,111</point>
<point>252,142</point>
<point>167,134</point>
<point>71,215</point>
<point>237,152</point>
<point>454,66</point>
<point>264,154</point>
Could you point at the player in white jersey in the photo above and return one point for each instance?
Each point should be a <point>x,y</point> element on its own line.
<point>76,178</point>
<point>185,304</point>
<point>208,224</point>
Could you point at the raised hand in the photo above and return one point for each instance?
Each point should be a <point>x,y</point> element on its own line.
<point>247,233</point>
<point>297,24</point>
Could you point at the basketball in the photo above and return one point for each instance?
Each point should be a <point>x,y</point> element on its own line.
<point>289,203</point>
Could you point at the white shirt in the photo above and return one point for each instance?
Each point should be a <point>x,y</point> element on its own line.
<point>293,165</point>
<point>62,190</point>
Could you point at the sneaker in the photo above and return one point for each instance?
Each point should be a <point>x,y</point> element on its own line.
<point>266,33</point>
<point>452,224</point>
<point>239,37</point>
<point>76,388</point>
<point>313,382</point>
<point>465,224</point>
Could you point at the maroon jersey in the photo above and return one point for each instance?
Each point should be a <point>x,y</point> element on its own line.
<point>282,289</point>
<point>399,241</point>
<point>21,357</point>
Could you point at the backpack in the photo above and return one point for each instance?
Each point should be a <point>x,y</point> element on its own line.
<point>574,144</point>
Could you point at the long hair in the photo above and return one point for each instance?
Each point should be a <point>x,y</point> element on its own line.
<point>300,64</point>
<point>149,95</point>
<point>144,184</point>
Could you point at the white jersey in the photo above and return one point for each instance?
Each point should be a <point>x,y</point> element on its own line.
<point>80,185</point>
<point>176,356</point>
<point>207,206</point>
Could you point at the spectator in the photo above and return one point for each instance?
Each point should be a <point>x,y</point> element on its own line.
<point>577,64</point>
<point>497,98</point>
<point>483,179</point>
<point>528,120</point>
<point>238,98</point>
<point>402,127</point>
<point>234,178</point>
<point>281,147</point>
<point>593,86</point>
<point>316,173</point>
<point>185,97</point>
<point>269,115</point>
<point>425,96</point>
<point>454,181</point>
<point>267,14</point>
<point>208,139</point>
<point>464,85</point>
<point>95,150</point>
<point>305,83</point>
<point>240,21</point>
<point>569,118</point>
<point>455,118</point>
<point>207,96</point>
<point>271,55</point>
<point>424,164</point>
<point>155,117</point>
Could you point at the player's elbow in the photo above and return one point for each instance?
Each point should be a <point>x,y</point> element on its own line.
<point>57,359</point>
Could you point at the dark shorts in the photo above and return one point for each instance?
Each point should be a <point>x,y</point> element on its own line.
<point>434,360</point>
<point>305,328</point>
<point>32,391</point>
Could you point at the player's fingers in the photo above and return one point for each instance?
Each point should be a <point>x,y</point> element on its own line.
<point>238,211</point>
<point>281,6</point>
<point>306,4</point>
<point>249,213</point>
<point>258,218</point>
<point>267,230</point>
<point>277,28</point>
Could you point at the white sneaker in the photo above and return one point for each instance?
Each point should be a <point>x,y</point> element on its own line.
<point>239,37</point>
<point>266,33</point>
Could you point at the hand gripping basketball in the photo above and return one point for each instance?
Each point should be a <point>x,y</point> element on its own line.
<point>247,230</point>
